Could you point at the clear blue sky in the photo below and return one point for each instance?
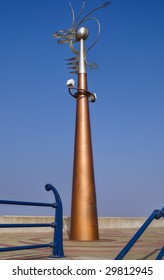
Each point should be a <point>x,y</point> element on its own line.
<point>37,115</point>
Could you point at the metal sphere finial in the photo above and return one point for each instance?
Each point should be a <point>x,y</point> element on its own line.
<point>82,33</point>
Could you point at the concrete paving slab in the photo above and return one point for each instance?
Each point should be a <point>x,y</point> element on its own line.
<point>107,247</point>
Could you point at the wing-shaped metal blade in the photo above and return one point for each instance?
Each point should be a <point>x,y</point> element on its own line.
<point>73,67</point>
<point>73,63</point>
<point>63,41</point>
<point>72,58</point>
<point>74,72</point>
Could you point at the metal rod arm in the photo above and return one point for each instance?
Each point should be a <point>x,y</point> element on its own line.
<point>12,202</point>
<point>25,247</point>
<point>27,225</point>
<point>94,10</point>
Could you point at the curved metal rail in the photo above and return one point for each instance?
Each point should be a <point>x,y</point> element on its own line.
<point>57,244</point>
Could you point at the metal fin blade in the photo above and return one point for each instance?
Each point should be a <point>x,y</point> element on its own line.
<point>63,41</point>
<point>60,33</point>
<point>73,68</point>
<point>72,58</point>
<point>74,72</point>
<point>73,63</point>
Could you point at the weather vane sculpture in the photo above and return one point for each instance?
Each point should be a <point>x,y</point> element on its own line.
<point>84,221</point>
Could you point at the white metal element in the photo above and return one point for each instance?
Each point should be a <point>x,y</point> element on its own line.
<point>70,83</point>
<point>93,97</point>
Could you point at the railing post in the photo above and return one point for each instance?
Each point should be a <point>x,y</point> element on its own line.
<point>57,245</point>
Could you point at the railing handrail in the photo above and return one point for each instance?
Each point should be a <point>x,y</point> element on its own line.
<point>160,255</point>
<point>57,244</point>
<point>27,203</point>
<point>28,225</point>
<point>156,214</point>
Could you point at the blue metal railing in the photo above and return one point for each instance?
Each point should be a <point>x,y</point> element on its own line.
<point>160,255</point>
<point>156,214</point>
<point>57,244</point>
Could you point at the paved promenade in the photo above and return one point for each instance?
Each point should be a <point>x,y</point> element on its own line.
<point>107,247</point>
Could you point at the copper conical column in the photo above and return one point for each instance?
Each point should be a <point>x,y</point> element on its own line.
<point>84,222</point>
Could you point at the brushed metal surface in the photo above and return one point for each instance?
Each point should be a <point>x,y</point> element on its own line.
<point>84,222</point>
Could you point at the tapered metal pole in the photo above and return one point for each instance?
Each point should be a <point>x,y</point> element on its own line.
<point>84,222</point>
